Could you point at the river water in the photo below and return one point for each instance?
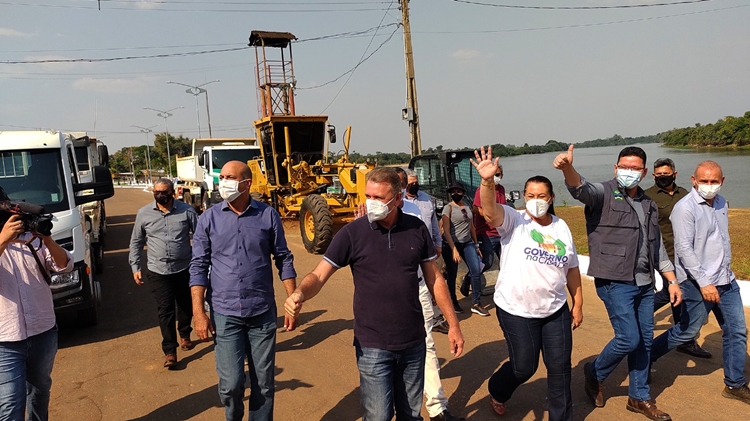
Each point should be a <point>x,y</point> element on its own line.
<point>597,164</point>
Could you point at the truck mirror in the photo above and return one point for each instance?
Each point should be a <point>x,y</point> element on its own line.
<point>332,133</point>
<point>102,186</point>
<point>202,159</point>
<point>103,155</point>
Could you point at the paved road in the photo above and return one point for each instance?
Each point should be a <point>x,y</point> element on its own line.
<point>114,371</point>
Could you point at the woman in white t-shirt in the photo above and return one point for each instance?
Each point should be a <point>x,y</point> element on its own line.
<point>538,261</point>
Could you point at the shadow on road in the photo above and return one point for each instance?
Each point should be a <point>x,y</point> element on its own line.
<point>126,307</point>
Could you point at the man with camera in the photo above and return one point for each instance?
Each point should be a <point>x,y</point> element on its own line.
<point>28,331</point>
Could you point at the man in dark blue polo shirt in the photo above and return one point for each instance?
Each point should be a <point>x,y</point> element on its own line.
<point>236,239</point>
<point>384,251</point>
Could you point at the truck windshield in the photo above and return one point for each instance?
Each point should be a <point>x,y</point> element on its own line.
<point>34,176</point>
<point>222,156</point>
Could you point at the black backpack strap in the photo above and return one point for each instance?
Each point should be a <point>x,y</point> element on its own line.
<point>45,274</point>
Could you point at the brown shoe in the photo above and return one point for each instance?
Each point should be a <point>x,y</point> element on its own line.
<point>186,344</point>
<point>741,393</point>
<point>594,388</point>
<point>497,407</point>
<point>647,408</point>
<point>170,360</point>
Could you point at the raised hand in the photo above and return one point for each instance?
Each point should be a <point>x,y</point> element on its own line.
<point>485,165</point>
<point>564,159</point>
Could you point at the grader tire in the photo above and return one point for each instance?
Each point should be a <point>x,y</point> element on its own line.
<point>315,224</point>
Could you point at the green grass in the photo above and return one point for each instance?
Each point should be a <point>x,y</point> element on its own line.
<point>739,235</point>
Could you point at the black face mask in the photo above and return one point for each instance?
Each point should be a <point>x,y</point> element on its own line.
<point>412,189</point>
<point>457,197</point>
<point>664,181</point>
<point>163,198</point>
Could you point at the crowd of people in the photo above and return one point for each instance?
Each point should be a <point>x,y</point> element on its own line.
<point>221,284</point>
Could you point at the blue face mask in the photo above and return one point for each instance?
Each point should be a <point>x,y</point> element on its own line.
<point>628,179</point>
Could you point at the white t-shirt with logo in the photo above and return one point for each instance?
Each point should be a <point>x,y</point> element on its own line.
<point>534,264</point>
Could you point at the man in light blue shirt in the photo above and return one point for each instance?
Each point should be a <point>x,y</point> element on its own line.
<point>702,258</point>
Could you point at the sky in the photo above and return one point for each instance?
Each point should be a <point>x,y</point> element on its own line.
<point>486,73</point>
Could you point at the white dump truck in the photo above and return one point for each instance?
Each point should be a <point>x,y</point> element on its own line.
<point>40,167</point>
<point>198,173</point>
<point>90,153</point>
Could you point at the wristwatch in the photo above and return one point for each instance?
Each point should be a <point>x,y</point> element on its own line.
<point>675,282</point>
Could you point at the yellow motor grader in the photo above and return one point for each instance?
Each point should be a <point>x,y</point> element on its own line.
<point>296,172</point>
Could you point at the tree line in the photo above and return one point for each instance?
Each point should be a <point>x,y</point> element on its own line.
<point>134,158</point>
<point>727,132</point>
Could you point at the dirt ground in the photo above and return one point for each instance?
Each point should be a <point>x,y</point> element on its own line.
<point>114,371</point>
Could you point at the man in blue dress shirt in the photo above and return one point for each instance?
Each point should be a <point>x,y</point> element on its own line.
<point>236,239</point>
<point>702,258</point>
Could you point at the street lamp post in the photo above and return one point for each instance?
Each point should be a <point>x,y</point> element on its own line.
<point>165,115</point>
<point>196,90</point>
<point>146,131</point>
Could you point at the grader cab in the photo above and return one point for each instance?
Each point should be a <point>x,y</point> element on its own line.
<point>297,173</point>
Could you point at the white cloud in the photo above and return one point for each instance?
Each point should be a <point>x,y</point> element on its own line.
<point>112,86</point>
<point>147,5</point>
<point>469,56</point>
<point>7,32</point>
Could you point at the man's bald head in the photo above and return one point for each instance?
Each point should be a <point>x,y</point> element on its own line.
<point>237,169</point>
<point>708,166</point>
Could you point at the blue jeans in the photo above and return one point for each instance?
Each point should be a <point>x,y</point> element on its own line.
<point>253,338</point>
<point>525,337</point>
<point>25,376</point>
<point>389,379</point>
<point>731,318</point>
<point>490,247</point>
<point>469,255</point>
<point>631,313</point>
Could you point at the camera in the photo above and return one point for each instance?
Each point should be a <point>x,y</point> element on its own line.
<point>34,217</point>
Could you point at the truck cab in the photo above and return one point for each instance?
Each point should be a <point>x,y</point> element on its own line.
<point>198,174</point>
<point>437,171</point>
<point>41,167</point>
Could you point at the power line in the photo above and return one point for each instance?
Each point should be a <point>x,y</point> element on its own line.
<point>362,59</point>
<point>98,60</point>
<point>584,25</point>
<point>135,9</point>
<point>621,6</point>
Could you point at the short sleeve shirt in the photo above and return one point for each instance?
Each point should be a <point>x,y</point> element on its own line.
<point>384,264</point>
<point>534,265</point>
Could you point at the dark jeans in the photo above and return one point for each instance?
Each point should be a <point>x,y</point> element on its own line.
<point>25,376</point>
<point>470,257</point>
<point>631,313</point>
<point>490,247</point>
<point>731,318</point>
<point>253,338</point>
<point>168,290</point>
<point>391,379</point>
<point>525,337</point>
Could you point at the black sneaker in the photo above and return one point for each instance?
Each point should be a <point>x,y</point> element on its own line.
<point>465,285</point>
<point>440,326</point>
<point>478,309</point>
<point>446,416</point>
<point>457,308</point>
<point>694,349</point>
<point>741,393</point>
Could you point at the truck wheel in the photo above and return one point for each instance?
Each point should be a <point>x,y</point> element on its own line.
<point>97,251</point>
<point>315,224</point>
<point>88,317</point>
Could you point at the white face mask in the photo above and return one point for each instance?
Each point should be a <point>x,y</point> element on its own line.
<point>498,180</point>
<point>708,191</point>
<point>537,207</point>
<point>628,178</point>
<point>229,189</point>
<point>377,210</point>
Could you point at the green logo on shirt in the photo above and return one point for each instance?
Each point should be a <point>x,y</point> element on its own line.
<point>548,244</point>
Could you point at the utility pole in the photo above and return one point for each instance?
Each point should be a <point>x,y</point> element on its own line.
<point>410,113</point>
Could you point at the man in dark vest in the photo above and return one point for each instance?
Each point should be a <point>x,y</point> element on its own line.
<point>665,193</point>
<point>625,248</point>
